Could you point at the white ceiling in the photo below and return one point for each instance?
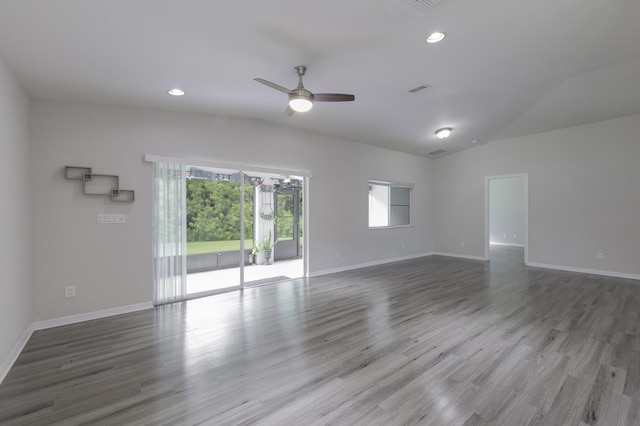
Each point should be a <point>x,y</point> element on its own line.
<point>507,68</point>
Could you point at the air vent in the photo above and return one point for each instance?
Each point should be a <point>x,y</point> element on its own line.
<point>438,152</point>
<point>419,88</point>
<point>424,5</point>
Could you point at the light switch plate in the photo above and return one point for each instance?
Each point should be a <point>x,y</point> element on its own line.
<point>111,218</point>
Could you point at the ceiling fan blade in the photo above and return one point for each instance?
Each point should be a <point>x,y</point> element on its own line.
<point>333,97</point>
<point>273,85</point>
<point>289,111</point>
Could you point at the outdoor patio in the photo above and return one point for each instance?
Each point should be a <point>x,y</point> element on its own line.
<point>219,279</point>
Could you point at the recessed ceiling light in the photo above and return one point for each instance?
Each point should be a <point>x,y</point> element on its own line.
<point>444,132</point>
<point>176,92</point>
<point>436,37</point>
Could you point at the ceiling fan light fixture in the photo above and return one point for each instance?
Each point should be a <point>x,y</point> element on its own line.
<point>301,102</point>
<point>300,99</point>
<point>436,37</point>
<point>444,132</point>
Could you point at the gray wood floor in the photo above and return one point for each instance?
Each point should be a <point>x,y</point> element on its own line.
<point>435,341</point>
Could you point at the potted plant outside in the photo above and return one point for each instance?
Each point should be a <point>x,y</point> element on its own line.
<point>253,257</point>
<point>265,247</point>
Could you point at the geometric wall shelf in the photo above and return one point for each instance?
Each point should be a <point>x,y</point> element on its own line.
<point>97,184</point>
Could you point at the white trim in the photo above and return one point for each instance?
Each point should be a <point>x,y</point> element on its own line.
<point>6,365</point>
<point>72,319</point>
<point>306,206</point>
<point>505,244</point>
<point>461,256</point>
<point>487,243</point>
<point>153,158</point>
<point>585,271</point>
<point>242,237</point>
<point>368,264</point>
<point>375,228</point>
<point>390,183</point>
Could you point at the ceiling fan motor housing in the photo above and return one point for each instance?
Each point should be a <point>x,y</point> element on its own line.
<point>301,94</point>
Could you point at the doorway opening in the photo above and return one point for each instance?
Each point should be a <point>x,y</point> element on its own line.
<point>507,217</point>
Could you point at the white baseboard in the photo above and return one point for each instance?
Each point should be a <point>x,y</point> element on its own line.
<point>13,356</point>
<point>56,322</point>
<point>461,256</point>
<point>585,271</point>
<point>367,264</point>
<point>72,319</point>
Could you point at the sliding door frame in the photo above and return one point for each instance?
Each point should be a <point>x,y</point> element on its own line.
<point>244,168</point>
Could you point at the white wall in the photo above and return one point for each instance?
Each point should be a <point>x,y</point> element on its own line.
<point>111,264</point>
<point>584,195</point>
<point>15,285</point>
<point>506,211</point>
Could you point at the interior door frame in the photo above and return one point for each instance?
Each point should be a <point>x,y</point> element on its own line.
<point>487,210</point>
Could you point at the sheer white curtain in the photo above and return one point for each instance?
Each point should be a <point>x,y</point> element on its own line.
<point>169,232</point>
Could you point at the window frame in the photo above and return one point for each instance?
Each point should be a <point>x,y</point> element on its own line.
<point>390,185</point>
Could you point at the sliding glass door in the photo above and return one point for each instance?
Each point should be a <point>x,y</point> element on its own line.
<point>214,218</point>
<point>277,219</point>
<point>287,228</point>
<point>218,229</point>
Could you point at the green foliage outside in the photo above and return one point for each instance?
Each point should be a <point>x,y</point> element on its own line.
<point>213,212</point>
<point>285,220</point>
<point>213,217</point>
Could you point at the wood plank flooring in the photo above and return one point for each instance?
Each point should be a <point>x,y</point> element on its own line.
<point>433,341</point>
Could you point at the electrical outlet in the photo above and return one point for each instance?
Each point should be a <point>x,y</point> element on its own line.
<point>69,291</point>
<point>462,244</point>
<point>338,254</point>
<point>599,256</point>
<point>404,245</point>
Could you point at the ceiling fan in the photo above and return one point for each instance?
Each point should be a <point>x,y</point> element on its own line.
<point>300,99</point>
